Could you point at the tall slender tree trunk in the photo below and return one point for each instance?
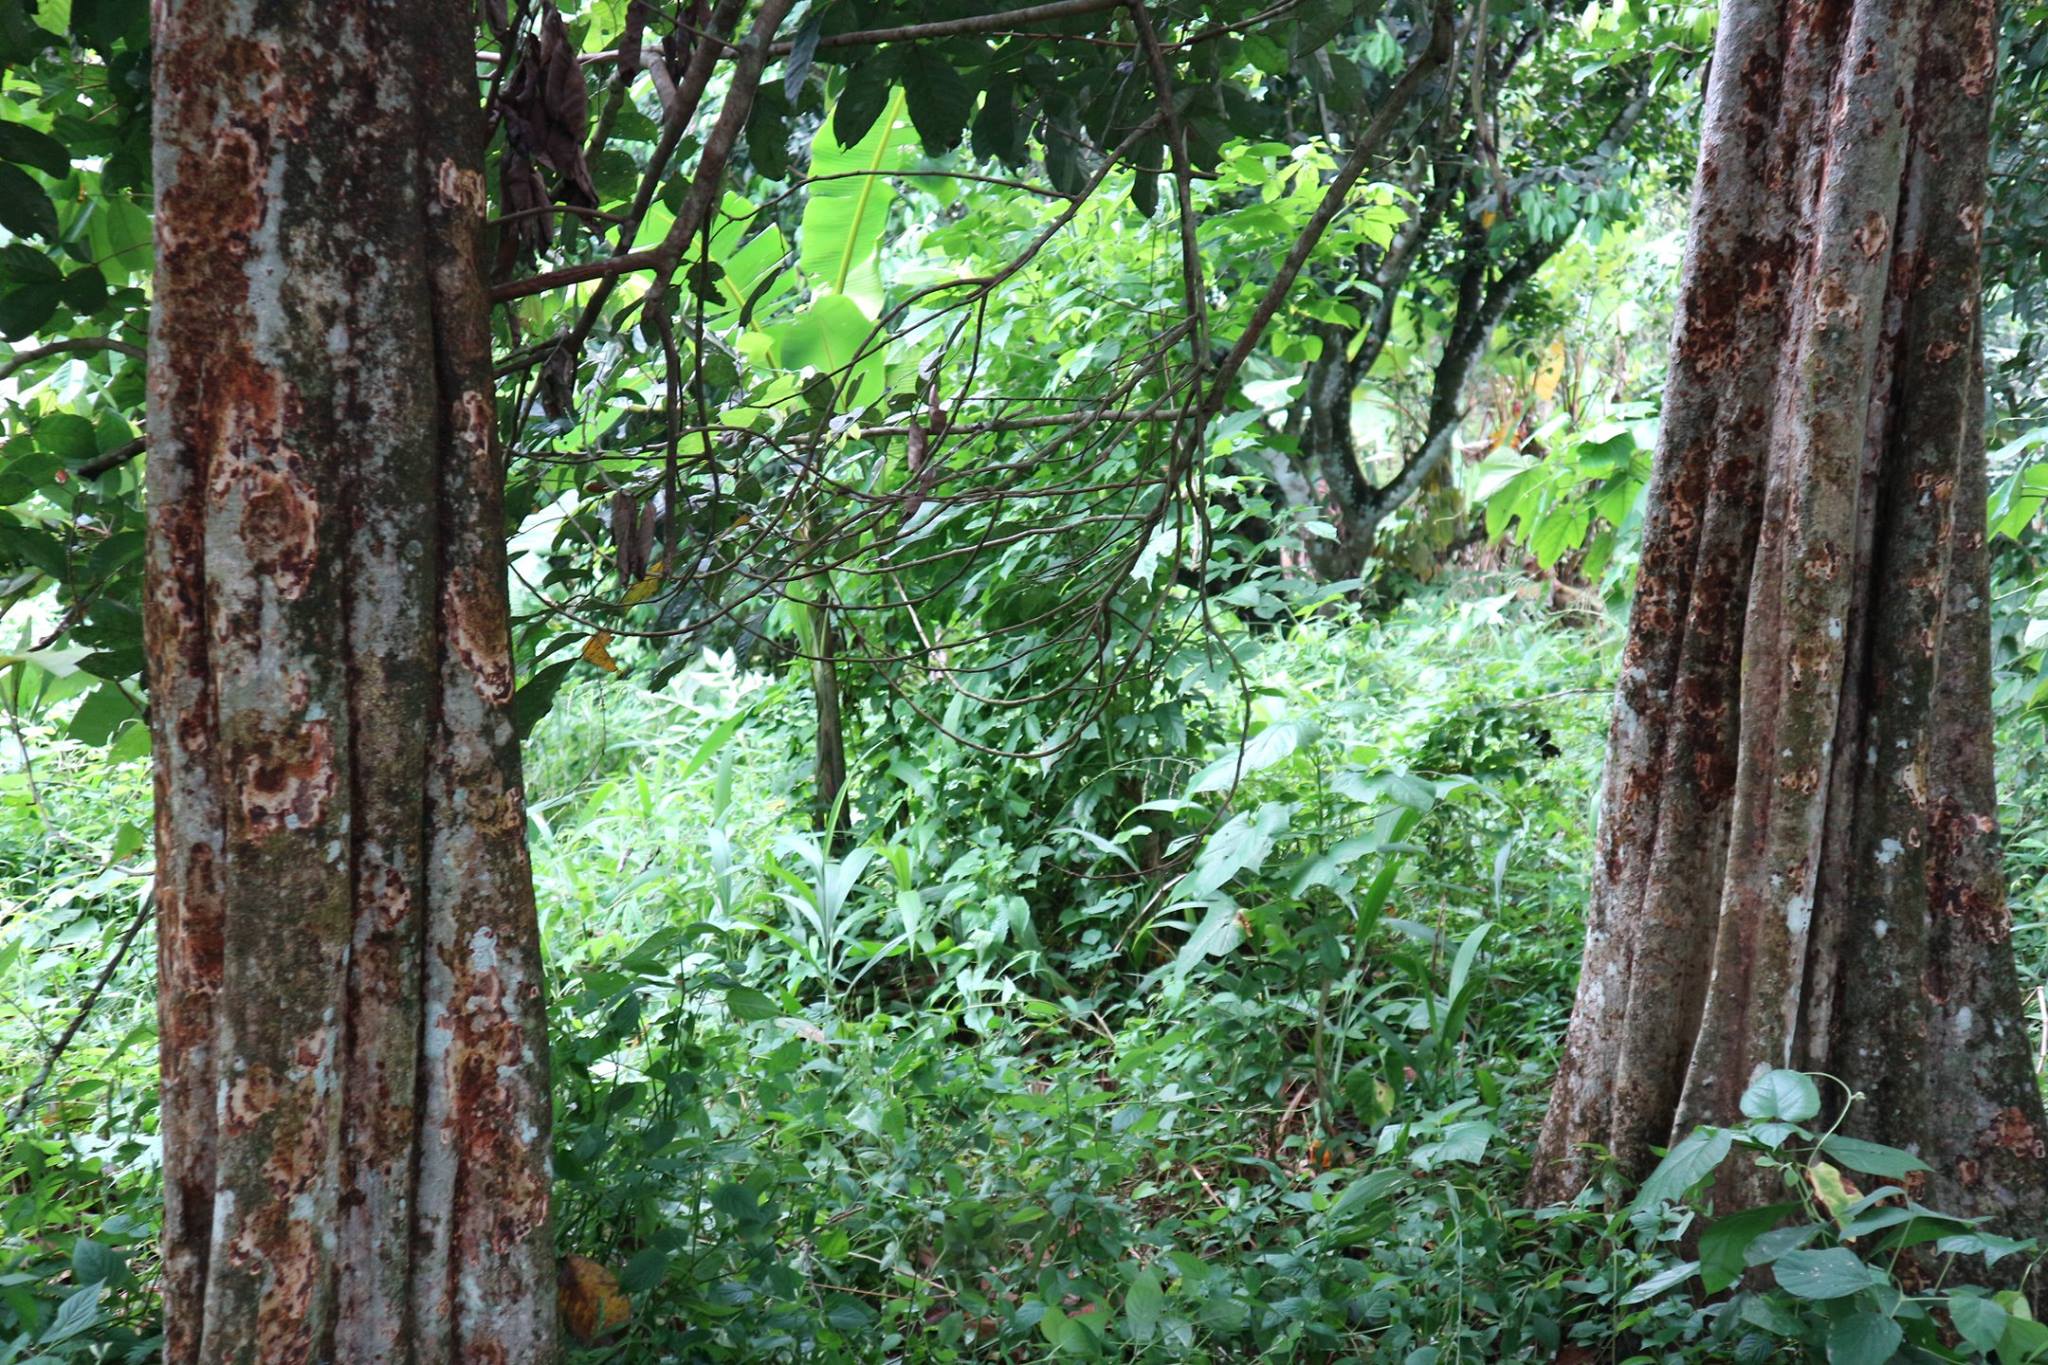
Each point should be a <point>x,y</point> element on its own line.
<point>355,1098</point>
<point>1797,862</point>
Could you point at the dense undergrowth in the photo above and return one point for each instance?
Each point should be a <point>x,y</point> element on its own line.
<point>984,1082</point>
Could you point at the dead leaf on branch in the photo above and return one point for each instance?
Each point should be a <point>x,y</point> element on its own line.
<point>546,107</point>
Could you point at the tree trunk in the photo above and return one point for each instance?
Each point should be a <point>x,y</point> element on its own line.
<point>355,1098</point>
<point>1332,453</point>
<point>828,814</point>
<point>1797,860</point>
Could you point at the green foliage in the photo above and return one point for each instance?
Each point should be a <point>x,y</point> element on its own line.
<point>958,1091</point>
<point>1841,1286</point>
<point>1183,982</point>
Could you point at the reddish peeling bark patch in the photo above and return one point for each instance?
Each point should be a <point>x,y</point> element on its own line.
<point>1750,276</point>
<point>475,425</point>
<point>387,896</point>
<point>479,639</point>
<point>2011,1132</point>
<point>460,189</point>
<point>288,781</point>
<point>205,951</point>
<point>1952,833</point>
<point>1983,57</point>
<point>281,526</point>
<point>1838,307</point>
<point>249,1097</point>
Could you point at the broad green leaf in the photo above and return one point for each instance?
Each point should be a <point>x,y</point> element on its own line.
<point>1694,1159</point>
<point>1463,1142</point>
<point>536,696</point>
<point>869,91</point>
<point>1828,1273</point>
<point>1068,1335</point>
<point>119,234</point>
<point>1864,1339</point>
<point>768,132</point>
<point>939,98</point>
<point>1990,1246</point>
<point>1146,1300</point>
<point>67,436</point>
<point>94,1263</point>
<point>1768,1313</point>
<point>850,196</point>
<point>1769,1246</point>
<point>23,264</point>
<point>26,307</point>
<point>749,1004</point>
<point>1725,1243</point>
<point>25,210</point>
<point>1779,1094</point>
<point>1980,1321</point>
<point>1871,1158</point>
<point>832,336</point>
<point>84,291</point>
<point>1264,749</point>
<point>1366,1191</point>
<point>1658,1283</point>
<point>101,714</point>
<point>2025,1341</point>
<point>25,145</point>
<point>647,1269</point>
<point>1218,933</point>
<point>80,1310</point>
<point>998,133</point>
<point>1242,845</point>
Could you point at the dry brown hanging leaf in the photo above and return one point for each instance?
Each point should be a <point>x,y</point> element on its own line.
<point>633,535</point>
<point>637,15</point>
<point>558,384</point>
<point>546,107</point>
<point>524,196</point>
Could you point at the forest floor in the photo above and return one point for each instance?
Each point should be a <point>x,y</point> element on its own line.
<point>986,1084</point>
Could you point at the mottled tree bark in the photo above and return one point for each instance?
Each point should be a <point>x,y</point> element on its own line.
<point>355,1099</point>
<point>1797,862</point>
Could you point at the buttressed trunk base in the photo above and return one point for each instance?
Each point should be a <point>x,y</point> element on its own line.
<point>1798,864</point>
<point>355,1101</point>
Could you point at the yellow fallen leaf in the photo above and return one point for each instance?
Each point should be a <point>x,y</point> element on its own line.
<point>645,588</point>
<point>590,1300</point>
<point>594,652</point>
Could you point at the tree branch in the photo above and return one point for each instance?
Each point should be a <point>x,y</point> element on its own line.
<point>30,356</point>
<point>1334,198</point>
<point>608,268</point>
<point>92,998</point>
<point>112,459</point>
<point>949,28</point>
